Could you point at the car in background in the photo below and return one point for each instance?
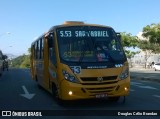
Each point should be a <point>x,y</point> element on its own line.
<point>157,66</point>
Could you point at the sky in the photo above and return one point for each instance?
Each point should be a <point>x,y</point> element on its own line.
<point>21,21</point>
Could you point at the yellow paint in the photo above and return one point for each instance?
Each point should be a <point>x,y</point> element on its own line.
<point>49,74</point>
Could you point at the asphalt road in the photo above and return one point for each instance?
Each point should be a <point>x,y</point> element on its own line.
<point>144,95</point>
<point>145,74</point>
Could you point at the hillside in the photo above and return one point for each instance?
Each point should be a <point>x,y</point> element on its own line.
<point>20,62</point>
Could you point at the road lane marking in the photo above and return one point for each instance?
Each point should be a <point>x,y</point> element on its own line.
<point>141,85</point>
<point>157,96</point>
<point>145,81</point>
<point>135,83</point>
<point>26,93</point>
<point>148,87</point>
<point>132,90</point>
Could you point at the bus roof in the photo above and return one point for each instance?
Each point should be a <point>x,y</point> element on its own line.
<point>76,23</point>
<point>69,23</point>
<point>38,38</point>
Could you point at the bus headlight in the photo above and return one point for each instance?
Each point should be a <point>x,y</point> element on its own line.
<point>124,74</point>
<point>69,77</point>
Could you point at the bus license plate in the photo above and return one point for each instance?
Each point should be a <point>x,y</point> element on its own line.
<point>101,95</point>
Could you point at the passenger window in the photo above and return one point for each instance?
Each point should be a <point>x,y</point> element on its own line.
<point>42,50</point>
<point>51,46</point>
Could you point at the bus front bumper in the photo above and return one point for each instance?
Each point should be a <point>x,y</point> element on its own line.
<point>74,91</point>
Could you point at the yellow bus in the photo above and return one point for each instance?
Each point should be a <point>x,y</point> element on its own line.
<point>76,60</point>
<point>1,62</point>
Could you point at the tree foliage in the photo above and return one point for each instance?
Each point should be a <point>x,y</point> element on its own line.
<point>152,35</point>
<point>22,61</point>
<point>147,48</point>
<point>152,43</point>
<point>129,41</point>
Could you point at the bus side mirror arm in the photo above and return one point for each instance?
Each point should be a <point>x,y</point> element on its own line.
<point>50,35</point>
<point>118,35</point>
<point>50,39</point>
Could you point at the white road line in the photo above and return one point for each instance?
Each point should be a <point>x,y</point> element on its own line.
<point>144,81</point>
<point>132,90</point>
<point>136,83</point>
<point>147,87</point>
<point>157,96</point>
<point>140,85</point>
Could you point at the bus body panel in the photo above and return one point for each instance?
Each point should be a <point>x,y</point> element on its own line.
<point>93,82</point>
<point>83,92</point>
<point>111,85</point>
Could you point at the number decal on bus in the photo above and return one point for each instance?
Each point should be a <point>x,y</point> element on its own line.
<point>65,33</point>
<point>76,69</point>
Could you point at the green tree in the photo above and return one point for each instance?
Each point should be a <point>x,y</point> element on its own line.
<point>22,61</point>
<point>29,51</point>
<point>129,41</point>
<point>130,55</point>
<point>152,34</point>
<point>147,48</point>
<point>17,61</point>
<point>152,43</point>
<point>25,63</point>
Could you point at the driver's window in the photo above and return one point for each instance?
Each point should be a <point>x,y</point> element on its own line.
<point>113,45</point>
<point>51,49</point>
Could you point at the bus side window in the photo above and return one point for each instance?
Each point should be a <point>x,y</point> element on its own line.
<point>42,48</point>
<point>51,46</point>
<point>35,51</point>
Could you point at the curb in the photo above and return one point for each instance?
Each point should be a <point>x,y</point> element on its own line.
<point>145,79</point>
<point>140,69</point>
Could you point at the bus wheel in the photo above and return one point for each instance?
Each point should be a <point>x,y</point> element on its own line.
<point>55,91</point>
<point>56,96</point>
<point>114,99</point>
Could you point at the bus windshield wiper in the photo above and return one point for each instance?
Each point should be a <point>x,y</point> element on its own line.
<point>83,52</point>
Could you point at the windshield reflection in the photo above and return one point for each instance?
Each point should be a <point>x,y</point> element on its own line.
<point>89,48</point>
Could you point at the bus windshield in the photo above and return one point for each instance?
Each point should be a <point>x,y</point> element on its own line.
<point>89,44</point>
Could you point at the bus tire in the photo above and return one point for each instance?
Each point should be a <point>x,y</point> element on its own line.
<point>114,99</point>
<point>55,91</point>
<point>36,79</point>
<point>56,96</point>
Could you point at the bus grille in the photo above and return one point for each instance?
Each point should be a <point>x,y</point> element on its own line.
<point>106,85</point>
<point>95,81</point>
<point>99,83</point>
<point>108,78</point>
<point>100,90</point>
